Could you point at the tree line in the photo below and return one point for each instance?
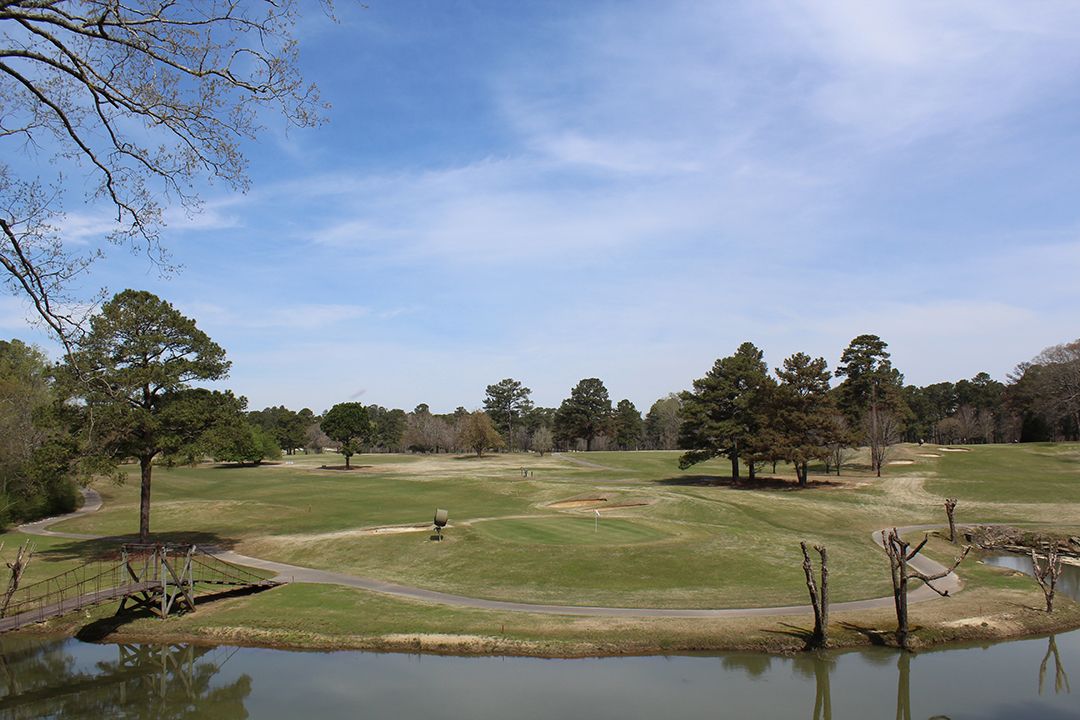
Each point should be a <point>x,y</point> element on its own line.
<point>126,392</point>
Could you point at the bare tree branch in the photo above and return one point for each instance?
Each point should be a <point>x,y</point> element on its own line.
<point>195,75</point>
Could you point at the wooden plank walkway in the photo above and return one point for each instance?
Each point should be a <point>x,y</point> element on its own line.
<point>77,602</point>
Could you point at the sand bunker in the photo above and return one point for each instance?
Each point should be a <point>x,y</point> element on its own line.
<point>954,450</point>
<point>901,462</point>
<point>394,529</point>
<point>617,506</point>
<point>929,455</point>
<point>580,502</point>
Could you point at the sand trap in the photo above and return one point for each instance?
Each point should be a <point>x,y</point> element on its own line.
<point>954,450</point>
<point>580,502</point>
<point>617,506</point>
<point>929,455</point>
<point>901,462</point>
<point>392,530</point>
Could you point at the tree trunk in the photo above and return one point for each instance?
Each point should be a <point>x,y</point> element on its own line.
<point>751,471</point>
<point>346,460</point>
<point>950,511</point>
<point>735,462</point>
<point>900,597</point>
<point>875,460</point>
<point>801,471</point>
<point>146,464</point>
<point>820,602</point>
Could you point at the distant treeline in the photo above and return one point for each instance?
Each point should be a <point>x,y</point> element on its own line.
<point>1039,402</point>
<point>738,409</point>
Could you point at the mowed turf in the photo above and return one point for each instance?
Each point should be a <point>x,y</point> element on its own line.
<point>1028,473</point>
<point>669,538</point>
<point>570,531</point>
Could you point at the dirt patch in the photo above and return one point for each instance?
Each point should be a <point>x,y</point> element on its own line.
<point>901,462</point>
<point>577,503</point>
<point>982,621</point>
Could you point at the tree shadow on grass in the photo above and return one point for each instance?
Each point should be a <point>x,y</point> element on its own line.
<point>760,483</point>
<point>795,631</point>
<point>108,548</point>
<point>239,465</point>
<point>100,630</point>
<point>342,468</point>
<point>878,638</point>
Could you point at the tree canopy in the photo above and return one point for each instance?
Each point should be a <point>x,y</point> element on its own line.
<point>585,414</point>
<point>477,433</point>
<point>627,425</point>
<point>135,367</point>
<point>506,402</point>
<point>726,409</point>
<point>350,425</point>
<point>871,395</point>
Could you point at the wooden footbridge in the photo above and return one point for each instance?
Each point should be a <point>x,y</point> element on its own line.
<point>161,578</point>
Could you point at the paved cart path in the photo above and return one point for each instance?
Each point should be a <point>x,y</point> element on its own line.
<point>297,573</point>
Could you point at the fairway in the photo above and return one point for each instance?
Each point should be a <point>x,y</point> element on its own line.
<point>666,538</point>
<point>570,531</point>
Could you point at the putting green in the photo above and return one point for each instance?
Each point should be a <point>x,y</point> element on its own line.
<point>570,531</point>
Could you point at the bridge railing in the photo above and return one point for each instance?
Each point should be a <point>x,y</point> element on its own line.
<point>160,570</point>
<point>73,589</point>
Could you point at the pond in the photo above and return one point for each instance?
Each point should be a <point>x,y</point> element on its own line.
<point>70,679</point>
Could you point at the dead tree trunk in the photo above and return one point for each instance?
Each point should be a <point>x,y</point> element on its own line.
<point>950,512</point>
<point>820,602</point>
<point>900,555</point>
<point>22,558</point>
<point>1047,575</point>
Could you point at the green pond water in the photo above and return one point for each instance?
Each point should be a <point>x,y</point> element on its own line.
<point>70,679</point>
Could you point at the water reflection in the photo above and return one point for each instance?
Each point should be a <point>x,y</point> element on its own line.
<point>1061,680</point>
<point>1068,584</point>
<point>143,681</point>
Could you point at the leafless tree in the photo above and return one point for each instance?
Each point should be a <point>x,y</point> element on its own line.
<point>883,429</point>
<point>819,600</point>
<point>950,512</point>
<point>143,96</point>
<point>542,440</point>
<point>1047,574</point>
<point>900,555</point>
<point>17,566</point>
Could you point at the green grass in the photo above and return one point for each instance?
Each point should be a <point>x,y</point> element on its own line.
<point>668,538</point>
<point>570,531</point>
<point>1029,473</point>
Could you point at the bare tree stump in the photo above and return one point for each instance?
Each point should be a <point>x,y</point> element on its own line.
<point>1047,575</point>
<point>820,602</point>
<point>950,511</point>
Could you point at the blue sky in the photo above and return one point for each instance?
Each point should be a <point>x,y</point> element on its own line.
<point>623,190</point>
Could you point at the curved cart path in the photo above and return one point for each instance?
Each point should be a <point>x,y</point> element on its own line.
<point>296,573</point>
